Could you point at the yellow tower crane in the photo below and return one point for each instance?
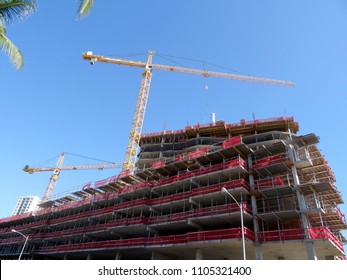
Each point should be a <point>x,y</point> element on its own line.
<point>137,122</point>
<point>59,167</point>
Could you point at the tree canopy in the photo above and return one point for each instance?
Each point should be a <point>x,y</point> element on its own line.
<point>11,10</point>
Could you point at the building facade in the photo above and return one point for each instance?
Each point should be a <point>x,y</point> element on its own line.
<point>186,197</point>
<point>25,204</point>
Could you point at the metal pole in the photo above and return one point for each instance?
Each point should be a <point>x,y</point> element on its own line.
<point>242,227</point>
<point>243,232</point>
<point>25,243</point>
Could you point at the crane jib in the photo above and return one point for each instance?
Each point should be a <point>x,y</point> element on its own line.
<point>186,70</point>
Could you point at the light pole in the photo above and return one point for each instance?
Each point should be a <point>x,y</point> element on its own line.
<point>242,227</point>
<point>25,243</point>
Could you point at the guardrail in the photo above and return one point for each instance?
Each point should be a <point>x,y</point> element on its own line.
<point>201,236</point>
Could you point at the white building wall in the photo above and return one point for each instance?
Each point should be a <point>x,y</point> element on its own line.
<point>25,204</point>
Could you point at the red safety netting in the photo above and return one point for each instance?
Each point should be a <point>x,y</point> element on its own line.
<point>202,212</point>
<point>299,234</point>
<point>239,162</point>
<point>202,236</point>
<point>198,153</point>
<point>133,188</point>
<point>158,163</point>
<point>101,183</point>
<point>269,161</point>
<point>231,142</point>
<point>268,182</point>
<point>323,233</point>
<point>16,217</point>
<point>281,235</point>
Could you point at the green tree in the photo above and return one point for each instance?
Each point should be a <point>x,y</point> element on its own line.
<point>9,11</point>
<point>20,9</point>
<point>84,8</point>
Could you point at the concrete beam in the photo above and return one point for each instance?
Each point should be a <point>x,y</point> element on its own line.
<point>155,192</point>
<point>194,224</point>
<point>192,201</point>
<point>155,231</point>
<point>154,210</point>
<point>193,182</point>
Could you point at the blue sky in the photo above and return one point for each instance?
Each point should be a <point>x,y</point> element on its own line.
<point>58,102</point>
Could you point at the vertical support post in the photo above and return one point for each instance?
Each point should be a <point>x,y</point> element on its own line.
<point>198,254</point>
<point>311,253</point>
<point>118,256</point>
<point>161,147</point>
<point>258,249</point>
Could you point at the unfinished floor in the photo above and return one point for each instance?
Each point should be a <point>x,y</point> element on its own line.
<point>173,206</point>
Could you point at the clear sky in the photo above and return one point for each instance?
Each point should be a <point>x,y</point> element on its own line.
<point>59,102</point>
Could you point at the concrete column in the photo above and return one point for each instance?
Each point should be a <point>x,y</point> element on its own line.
<point>258,249</point>
<point>118,255</point>
<point>161,146</point>
<point>154,231</point>
<point>198,254</point>
<point>194,202</point>
<point>311,253</point>
<point>154,256</point>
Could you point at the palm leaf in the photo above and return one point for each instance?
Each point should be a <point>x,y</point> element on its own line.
<point>16,9</point>
<point>85,6</point>
<point>10,49</point>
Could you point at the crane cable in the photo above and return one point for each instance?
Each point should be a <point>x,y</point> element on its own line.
<point>46,162</point>
<point>91,158</point>
<point>164,56</point>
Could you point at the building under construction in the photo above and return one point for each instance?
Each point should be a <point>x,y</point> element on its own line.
<point>186,197</point>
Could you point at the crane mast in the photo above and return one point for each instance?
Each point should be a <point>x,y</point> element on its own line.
<point>137,123</point>
<point>54,178</point>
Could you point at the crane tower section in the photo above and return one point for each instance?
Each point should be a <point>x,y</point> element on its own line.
<point>139,115</point>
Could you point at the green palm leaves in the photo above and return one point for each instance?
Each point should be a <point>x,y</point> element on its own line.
<point>16,9</point>
<point>10,49</point>
<point>9,11</point>
<point>84,8</point>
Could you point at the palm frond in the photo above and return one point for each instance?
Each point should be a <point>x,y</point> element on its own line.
<point>10,49</point>
<point>84,8</point>
<point>16,9</point>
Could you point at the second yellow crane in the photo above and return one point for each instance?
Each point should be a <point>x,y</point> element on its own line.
<point>59,167</point>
